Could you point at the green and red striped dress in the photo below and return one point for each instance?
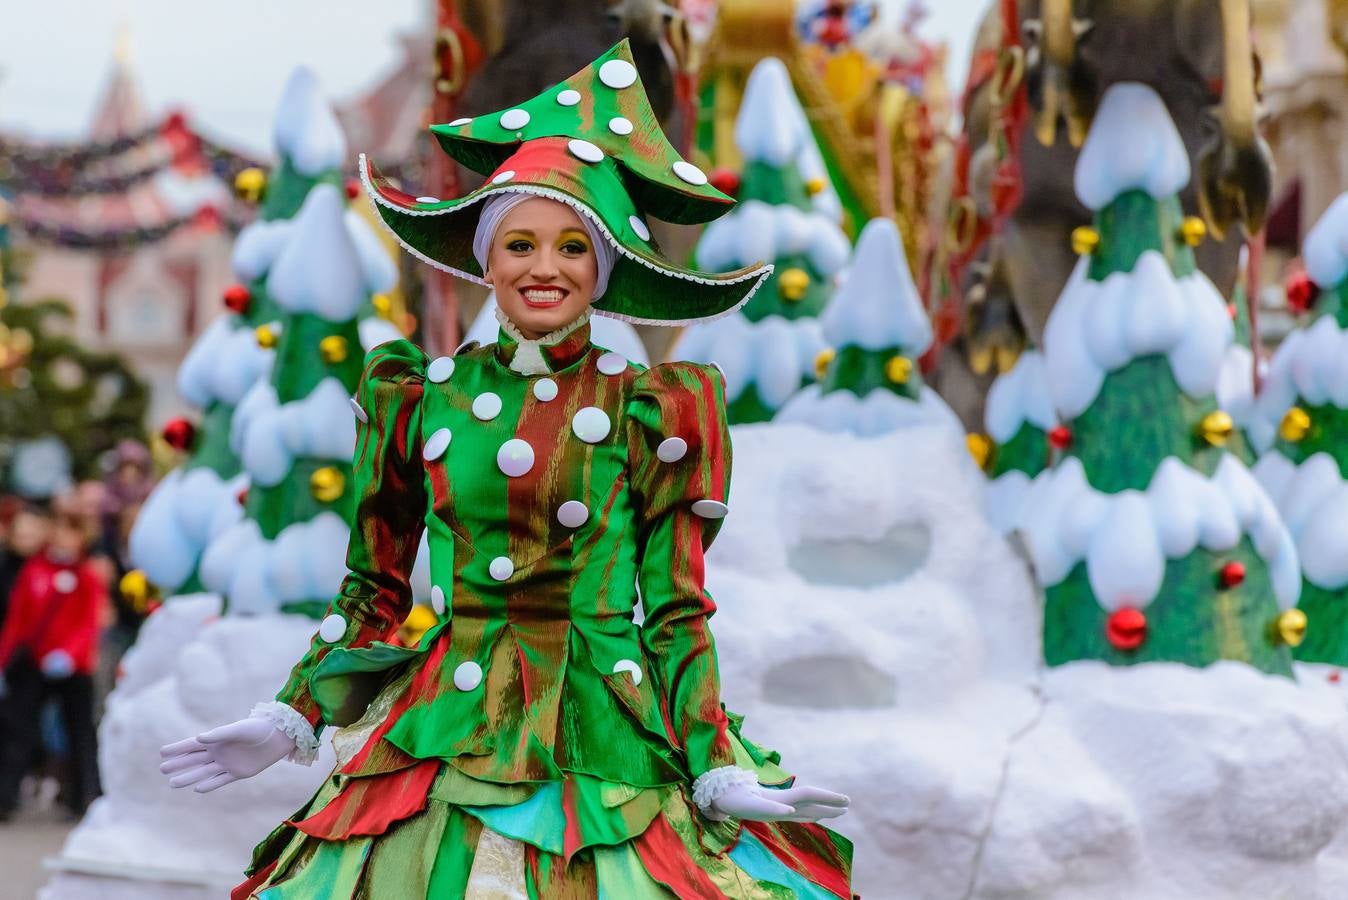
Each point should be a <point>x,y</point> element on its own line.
<point>538,741</point>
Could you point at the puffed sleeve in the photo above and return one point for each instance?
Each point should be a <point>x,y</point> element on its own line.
<point>679,465</point>
<point>375,597</point>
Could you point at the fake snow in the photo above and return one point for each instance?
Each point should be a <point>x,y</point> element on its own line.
<point>261,242</point>
<point>755,232</point>
<point>319,270</point>
<point>879,412</point>
<point>1326,247</point>
<point>876,632</point>
<point>1309,368</point>
<point>1125,538</point>
<point>306,130</point>
<point>1020,396</point>
<point>182,514</point>
<point>877,305</point>
<point>1132,145</point>
<point>307,561</point>
<point>773,354</point>
<point>269,436</point>
<point>1099,326</point>
<point>1313,501</point>
<point>223,364</point>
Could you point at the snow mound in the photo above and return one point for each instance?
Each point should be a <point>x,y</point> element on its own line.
<point>1125,538</point>
<point>1309,367</point>
<point>1313,500</point>
<point>904,670</point>
<point>880,412</point>
<point>1005,503</point>
<point>319,270</point>
<point>605,331</point>
<point>755,231</point>
<point>376,262</point>
<point>201,680</point>
<point>269,436</point>
<point>306,130</point>
<point>375,331</point>
<point>1326,247</point>
<point>307,561</point>
<point>877,305</point>
<point>223,364</point>
<point>1099,326</point>
<point>773,354</point>
<point>183,513</point>
<point>1020,396</point>
<point>1235,384</point>
<point>1133,145</point>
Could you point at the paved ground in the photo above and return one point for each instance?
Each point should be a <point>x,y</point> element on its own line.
<point>24,842</point>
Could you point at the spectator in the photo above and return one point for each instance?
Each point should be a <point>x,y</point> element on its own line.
<point>49,648</point>
<point>23,531</point>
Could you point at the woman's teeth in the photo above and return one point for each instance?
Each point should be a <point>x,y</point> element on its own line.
<point>537,296</point>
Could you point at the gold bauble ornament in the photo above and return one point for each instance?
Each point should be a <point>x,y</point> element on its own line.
<point>793,284</point>
<point>1296,423</point>
<point>899,369</point>
<point>815,186</point>
<point>136,589</point>
<point>327,484</point>
<point>980,448</point>
<point>821,362</point>
<point>1290,627</point>
<point>333,349</point>
<point>250,184</point>
<point>266,336</point>
<point>383,306</point>
<point>1193,230</point>
<point>1216,428</point>
<point>1085,240</point>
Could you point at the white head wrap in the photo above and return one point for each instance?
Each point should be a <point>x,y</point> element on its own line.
<point>494,212</point>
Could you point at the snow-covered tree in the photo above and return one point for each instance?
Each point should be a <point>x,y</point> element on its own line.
<point>768,349</point>
<point>876,328</point>
<point>1152,539</point>
<point>1021,426</point>
<point>1301,421</point>
<point>199,500</point>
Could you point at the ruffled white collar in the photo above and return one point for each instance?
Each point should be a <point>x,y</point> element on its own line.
<point>529,358</point>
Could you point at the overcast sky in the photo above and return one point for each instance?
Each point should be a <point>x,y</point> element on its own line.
<point>226,62</point>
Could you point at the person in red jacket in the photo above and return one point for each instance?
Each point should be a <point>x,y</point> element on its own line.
<point>49,649</point>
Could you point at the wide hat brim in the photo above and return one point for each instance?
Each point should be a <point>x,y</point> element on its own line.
<point>644,287</point>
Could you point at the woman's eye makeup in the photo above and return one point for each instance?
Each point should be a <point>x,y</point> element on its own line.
<point>519,245</point>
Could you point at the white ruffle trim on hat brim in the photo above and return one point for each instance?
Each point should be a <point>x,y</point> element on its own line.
<point>762,273</point>
<point>290,723</point>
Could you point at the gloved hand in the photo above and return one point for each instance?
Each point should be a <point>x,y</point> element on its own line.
<point>794,804</point>
<point>57,664</point>
<point>229,753</point>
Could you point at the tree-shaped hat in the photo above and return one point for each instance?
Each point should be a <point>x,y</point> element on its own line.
<point>594,143</point>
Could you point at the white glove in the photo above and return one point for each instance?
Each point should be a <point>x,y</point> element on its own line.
<point>229,753</point>
<point>794,804</point>
<point>58,664</point>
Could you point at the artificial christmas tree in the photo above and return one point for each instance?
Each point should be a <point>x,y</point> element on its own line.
<point>876,329</point>
<point>1301,422</point>
<point>1022,434</point>
<point>199,500</point>
<point>1151,537</point>
<point>769,347</point>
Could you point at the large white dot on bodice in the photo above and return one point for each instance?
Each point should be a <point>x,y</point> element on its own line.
<point>515,457</point>
<point>487,406</point>
<point>591,424</point>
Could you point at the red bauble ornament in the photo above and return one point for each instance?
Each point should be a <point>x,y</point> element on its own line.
<point>237,298</point>
<point>1126,628</point>
<point>352,189</point>
<point>242,496</point>
<point>1334,677</point>
<point>179,434</point>
<point>727,181</point>
<point>1301,292</point>
<point>1231,575</point>
<point>1232,312</point>
<point>1060,438</point>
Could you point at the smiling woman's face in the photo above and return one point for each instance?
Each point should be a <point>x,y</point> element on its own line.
<point>542,266</point>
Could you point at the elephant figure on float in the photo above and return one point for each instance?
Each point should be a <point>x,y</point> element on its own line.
<point>1197,55</point>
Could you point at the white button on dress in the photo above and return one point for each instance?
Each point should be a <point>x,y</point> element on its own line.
<point>467,676</point>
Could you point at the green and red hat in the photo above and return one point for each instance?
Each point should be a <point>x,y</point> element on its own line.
<point>594,143</point>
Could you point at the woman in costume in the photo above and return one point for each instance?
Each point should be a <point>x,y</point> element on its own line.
<point>537,741</point>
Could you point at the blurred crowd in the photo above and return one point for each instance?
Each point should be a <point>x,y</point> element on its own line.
<point>64,626</point>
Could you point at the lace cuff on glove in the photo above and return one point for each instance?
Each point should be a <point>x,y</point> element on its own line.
<point>715,783</point>
<point>289,722</point>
